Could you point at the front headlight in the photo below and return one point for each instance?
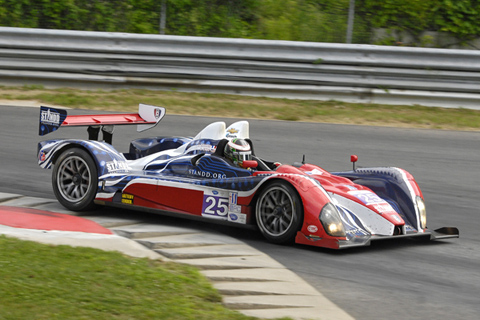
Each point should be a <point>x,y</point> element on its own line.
<point>422,211</point>
<point>330,219</point>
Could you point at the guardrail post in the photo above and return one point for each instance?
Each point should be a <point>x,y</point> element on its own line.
<point>163,16</point>
<point>351,18</point>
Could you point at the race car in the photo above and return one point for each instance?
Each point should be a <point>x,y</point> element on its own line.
<point>197,177</point>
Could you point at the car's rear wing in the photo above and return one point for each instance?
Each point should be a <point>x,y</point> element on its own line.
<point>147,117</point>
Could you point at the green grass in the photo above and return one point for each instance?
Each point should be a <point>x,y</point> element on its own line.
<point>60,282</point>
<point>207,104</point>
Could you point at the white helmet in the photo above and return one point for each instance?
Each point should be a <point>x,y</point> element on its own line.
<point>237,151</point>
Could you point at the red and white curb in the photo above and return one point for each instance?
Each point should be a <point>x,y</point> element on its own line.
<point>249,281</point>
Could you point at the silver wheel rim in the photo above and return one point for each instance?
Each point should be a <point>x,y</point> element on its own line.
<point>275,211</point>
<point>73,179</point>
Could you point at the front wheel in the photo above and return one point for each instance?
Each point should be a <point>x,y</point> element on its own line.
<point>75,180</point>
<point>279,212</point>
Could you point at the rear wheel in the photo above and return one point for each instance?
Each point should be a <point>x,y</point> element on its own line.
<point>75,179</point>
<point>279,212</point>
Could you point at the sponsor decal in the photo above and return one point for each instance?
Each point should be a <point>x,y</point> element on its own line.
<point>114,166</point>
<point>233,207</point>
<point>355,232</point>
<point>127,198</point>
<point>42,156</point>
<point>202,147</point>
<point>384,208</point>
<point>371,199</point>
<point>314,171</point>
<point>157,113</point>
<point>215,192</point>
<point>367,197</point>
<point>206,174</point>
<point>237,217</point>
<point>232,133</point>
<point>233,198</point>
<point>312,228</point>
<point>50,117</point>
<point>50,120</point>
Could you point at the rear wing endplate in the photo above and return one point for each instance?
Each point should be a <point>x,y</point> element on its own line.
<point>147,117</point>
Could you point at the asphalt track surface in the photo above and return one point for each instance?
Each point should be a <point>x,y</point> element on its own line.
<point>394,279</point>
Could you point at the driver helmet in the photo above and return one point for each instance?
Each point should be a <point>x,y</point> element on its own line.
<point>237,151</point>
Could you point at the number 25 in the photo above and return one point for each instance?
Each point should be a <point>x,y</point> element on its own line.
<point>220,208</point>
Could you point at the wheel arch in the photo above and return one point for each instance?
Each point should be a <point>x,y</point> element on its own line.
<point>68,146</point>
<point>265,185</point>
<point>101,153</point>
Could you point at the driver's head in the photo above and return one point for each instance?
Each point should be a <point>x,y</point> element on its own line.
<point>237,151</point>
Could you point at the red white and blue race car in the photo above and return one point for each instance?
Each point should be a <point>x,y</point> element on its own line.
<point>192,176</point>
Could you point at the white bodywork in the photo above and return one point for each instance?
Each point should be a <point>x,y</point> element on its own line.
<point>214,131</point>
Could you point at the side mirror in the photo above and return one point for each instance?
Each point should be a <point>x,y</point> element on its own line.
<point>353,159</point>
<point>249,164</point>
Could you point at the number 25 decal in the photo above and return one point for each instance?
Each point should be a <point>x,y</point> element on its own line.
<point>216,206</point>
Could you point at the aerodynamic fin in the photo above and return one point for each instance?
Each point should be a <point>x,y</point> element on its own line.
<point>147,117</point>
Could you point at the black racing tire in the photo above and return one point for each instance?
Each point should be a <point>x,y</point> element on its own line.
<point>279,212</point>
<point>75,179</point>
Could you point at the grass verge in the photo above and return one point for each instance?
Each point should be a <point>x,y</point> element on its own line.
<point>61,282</point>
<point>205,104</point>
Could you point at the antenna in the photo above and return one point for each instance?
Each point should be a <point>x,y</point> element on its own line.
<point>303,160</point>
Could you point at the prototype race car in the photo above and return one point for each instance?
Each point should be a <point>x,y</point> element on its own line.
<point>191,176</point>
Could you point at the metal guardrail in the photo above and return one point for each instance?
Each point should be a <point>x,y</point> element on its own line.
<point>303,70</point>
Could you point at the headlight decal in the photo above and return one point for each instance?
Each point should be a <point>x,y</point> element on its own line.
<point>359,216</point>
<point>354,227</point>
